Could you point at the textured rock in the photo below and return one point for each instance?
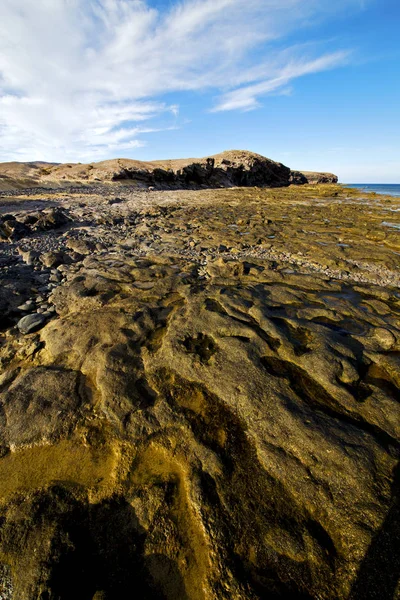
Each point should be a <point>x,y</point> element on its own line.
<point>41,405</point>
<point>208,421</point>
<point>51,219</point>
<point>80,246</point>
<point>52,259</point>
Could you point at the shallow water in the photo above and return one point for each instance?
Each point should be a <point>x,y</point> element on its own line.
<point>391,189</point>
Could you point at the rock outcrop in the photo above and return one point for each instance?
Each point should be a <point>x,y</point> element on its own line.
<point>313,177</point>
<point>228,169</point>
<point>232,168</point>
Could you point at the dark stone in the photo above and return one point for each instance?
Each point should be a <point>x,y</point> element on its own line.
<point>31,323</point>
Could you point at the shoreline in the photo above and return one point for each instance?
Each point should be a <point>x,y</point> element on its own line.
<point>385,189</point>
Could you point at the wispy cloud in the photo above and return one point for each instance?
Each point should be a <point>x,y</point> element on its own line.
<point>246,97</point>
<point>78,76</point>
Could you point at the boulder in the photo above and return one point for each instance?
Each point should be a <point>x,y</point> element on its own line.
<point>12,230</point>
<point>51,218</point>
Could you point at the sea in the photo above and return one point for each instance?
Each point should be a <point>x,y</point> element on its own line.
<point>390,189</point>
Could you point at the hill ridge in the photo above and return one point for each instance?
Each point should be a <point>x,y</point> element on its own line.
<point>225,169</point>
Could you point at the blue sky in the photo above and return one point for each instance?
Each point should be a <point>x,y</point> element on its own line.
<point>314,84</point>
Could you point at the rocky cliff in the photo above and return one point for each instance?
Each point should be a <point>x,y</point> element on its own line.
<point>319,178</point>
<point>228,169</point>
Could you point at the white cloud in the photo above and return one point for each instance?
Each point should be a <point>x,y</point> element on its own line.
<point>76,76</point>
<point>246,97</point>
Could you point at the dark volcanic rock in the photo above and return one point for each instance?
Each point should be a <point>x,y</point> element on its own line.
<point>297,178</point>
<point>12,230</point>
<point>51,218</point>
<point>233,168</point>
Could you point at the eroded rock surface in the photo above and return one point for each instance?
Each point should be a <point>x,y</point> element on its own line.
<point>211,410</point>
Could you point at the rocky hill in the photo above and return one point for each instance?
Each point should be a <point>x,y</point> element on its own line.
<point>230,168</point>
<point>19,175</point>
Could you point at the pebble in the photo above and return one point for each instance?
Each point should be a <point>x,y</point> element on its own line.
<point>26,306</point>
<point>143,285</point>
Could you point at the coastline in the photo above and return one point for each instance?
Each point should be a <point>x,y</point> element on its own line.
<point>385,189</point>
